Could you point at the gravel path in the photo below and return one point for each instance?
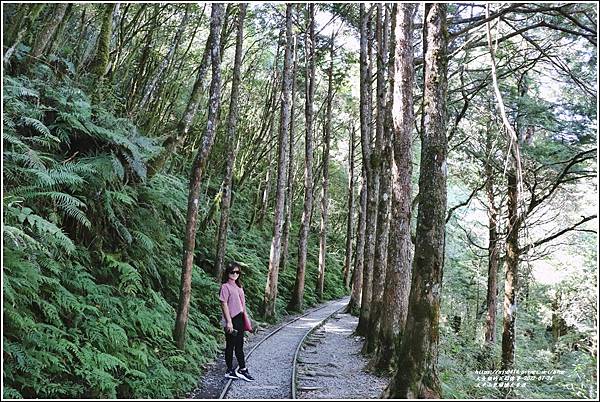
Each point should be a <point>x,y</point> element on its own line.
<point>330,365</point>
<point>271,363</point>
<point>212,382</point>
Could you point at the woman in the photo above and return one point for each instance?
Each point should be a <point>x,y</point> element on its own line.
<point>233,304</point>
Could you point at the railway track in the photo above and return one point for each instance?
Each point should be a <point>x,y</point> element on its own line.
<point>275,368</point>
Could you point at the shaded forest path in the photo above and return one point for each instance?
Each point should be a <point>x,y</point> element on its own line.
<point>271,362</point>
<point>331,366</point>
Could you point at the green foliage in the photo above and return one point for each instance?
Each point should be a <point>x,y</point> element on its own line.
<point>92,252</point>
<point>88,308</point>
<point>463,350</point>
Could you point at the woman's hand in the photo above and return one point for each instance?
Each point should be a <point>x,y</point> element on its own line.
<point>229,327</point>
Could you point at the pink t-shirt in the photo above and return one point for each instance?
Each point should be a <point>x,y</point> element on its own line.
<point>234,296</point>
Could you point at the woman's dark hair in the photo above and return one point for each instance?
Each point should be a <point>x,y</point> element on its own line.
<point>228,269</point>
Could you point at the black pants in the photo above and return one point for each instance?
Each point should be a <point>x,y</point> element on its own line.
<point>235,342</point>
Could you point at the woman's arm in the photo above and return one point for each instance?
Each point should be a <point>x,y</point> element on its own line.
<point>228,323</point>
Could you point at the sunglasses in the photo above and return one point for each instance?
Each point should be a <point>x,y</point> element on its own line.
<point>234,272</point>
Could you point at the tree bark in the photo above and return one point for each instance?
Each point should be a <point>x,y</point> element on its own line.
<point>350,216</point>
<point>384,133</point>
<point>370,162</point>
<point>150,87</point>
<point>45,34</point>
<point>416,376</point>
<point>197,171</point>
<point>357,273</point>
<point>400,248</point>
<point>32,12</point>
<point>289,202</point>
<point>284,126</point>
<point>101,60</point>
<point>297,298</point>
<point>512,269</point>
<point>325,186</point>
<point>16,23</point>
<point>231,141</point>
<point>514,191</point>
<point>493,248</point>
<point>266,191</point>
<point>183,126</point>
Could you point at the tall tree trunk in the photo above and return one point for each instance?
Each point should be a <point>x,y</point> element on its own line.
<point>58,32</point>
<point>416,376</point>
<point>175,141</point>
<point>143,65</point>
<point>269,116</point>
<point>515,220</point>
<point>350,216</point>
<point>493,248</point>
<point>511,278</point>
<point>16,23</point>
<point>325,187</point>
<point>289,202</point>
<point>266,192</point>
<point>32,12</point>
<point>284,126</point>
<point>400,248</point>
<point>297,298</point>
<point>151,86</point>
<point>216,20</point>
<point>370,162</point>
<point>231,141</point>
<point>384,200</point>
<point>43,37</point>
<point>101,60</point>
<point>359,250</point>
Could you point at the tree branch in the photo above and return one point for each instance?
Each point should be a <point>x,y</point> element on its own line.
<point>557,234</point>
<point>561,178</point>
<point>466,202</point>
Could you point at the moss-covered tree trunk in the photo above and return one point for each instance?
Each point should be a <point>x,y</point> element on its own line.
<point>400,247</point>
<point>284,127</point>
<point>231,144</point>
<point>100,63</point>
<point>493,248</point>
<point>16,22</point>
<point>512,270</point>
<point>359,249</point>
<point>370,162</point>
<point>18,29</point>
<point>151,86</point>
<point>350,213</point>
<point>325,186</point>
<point>42,40</point>
<point>289,192</point>
<point>198,167</point>
<point>384,132</point>
<point>416,375</point>
<point>297,298</point>
<point>266,189</point>
<point>57,38</point>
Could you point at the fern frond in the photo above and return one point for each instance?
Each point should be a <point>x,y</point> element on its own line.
<point>146,242</point>
<point>50,231</point>
<point>20,239</point>
<point>130,280</point>
<point>36,125</point>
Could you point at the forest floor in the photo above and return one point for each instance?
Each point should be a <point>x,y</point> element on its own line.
<point>331,366</point>
<point>212,382</point>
